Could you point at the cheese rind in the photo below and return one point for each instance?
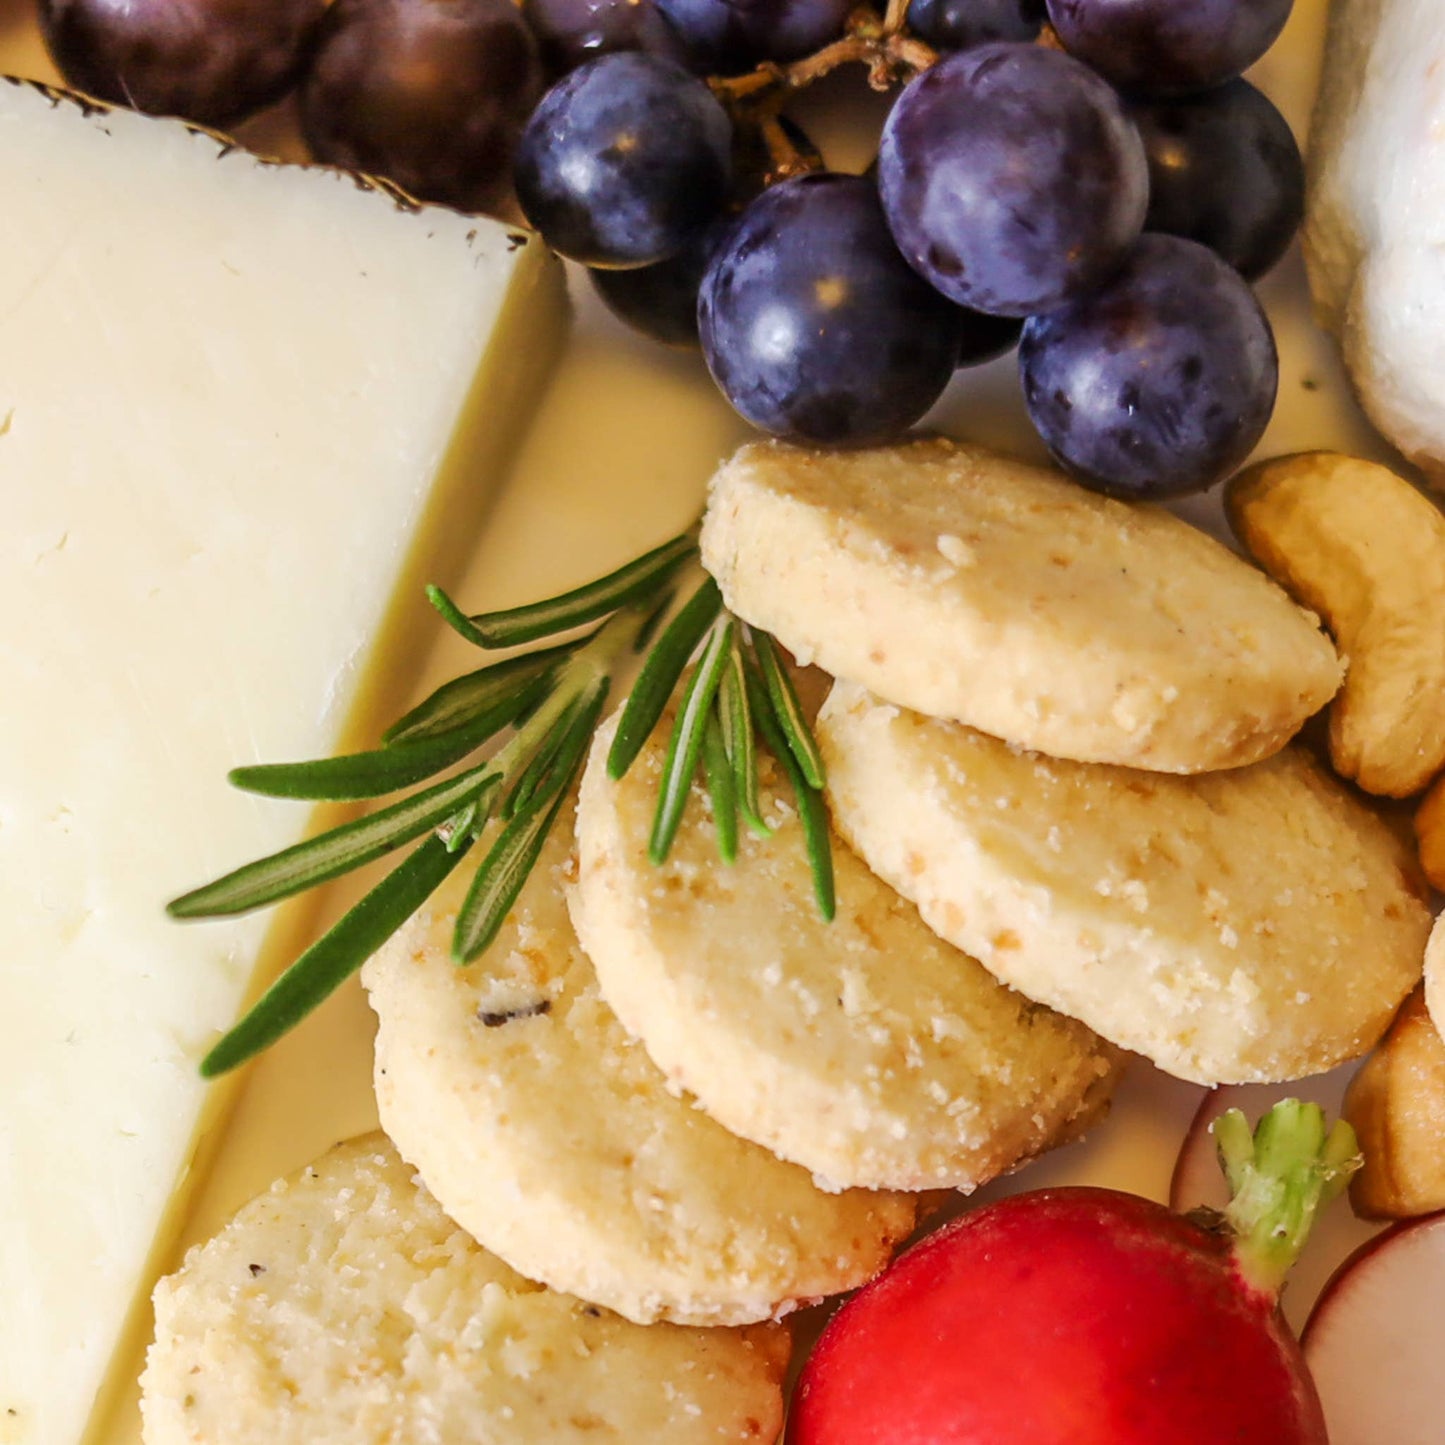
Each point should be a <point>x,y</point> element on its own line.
<point>241,407</point>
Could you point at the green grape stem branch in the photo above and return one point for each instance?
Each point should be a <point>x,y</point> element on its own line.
<point>551,699</point>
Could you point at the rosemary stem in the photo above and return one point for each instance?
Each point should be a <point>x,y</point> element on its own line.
<point>593,661</point>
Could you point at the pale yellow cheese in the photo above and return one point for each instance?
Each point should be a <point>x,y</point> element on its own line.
<point>241,407</point>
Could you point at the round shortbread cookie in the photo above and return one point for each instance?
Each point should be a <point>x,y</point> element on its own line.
<point>968,585</point>
<point>549,1134</point>
<point>865,1049</point>
<point>1261,924</point>
<point>343,1306</point>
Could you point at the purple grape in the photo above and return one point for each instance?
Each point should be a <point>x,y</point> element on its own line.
<point>430,96</point>
<point>728,36</point>
<point>211,61</point>
<point>813,325</point>
<point>959,24</point>
<point>1224,170</point>
<point>1168,47</point>
<point>661,301</point>
<point>1159,384</point>
<point>624,161</point>
<point>1012,178</point>
<point>571,31</point>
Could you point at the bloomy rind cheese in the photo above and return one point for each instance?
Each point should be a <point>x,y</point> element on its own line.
<point>865,1048</point>
<point>342,1306</point>
<point>967,585</point>
<point>549,1134</point>
<point>1371,236</point>
<point>1246,926</point>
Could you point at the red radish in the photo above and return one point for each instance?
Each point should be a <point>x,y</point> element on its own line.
<point>1091,1317</point>
<point>1197,1181</point>
<point>1377,1336</point>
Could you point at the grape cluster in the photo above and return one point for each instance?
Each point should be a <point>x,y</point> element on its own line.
<point>1107,201</point>
<point>1105,195</point>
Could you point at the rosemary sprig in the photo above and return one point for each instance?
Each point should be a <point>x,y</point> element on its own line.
<point>549,703</point>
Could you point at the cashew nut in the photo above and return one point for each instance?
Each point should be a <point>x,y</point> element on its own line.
<point>1397,1106</point>
<point>1430,834</point>
<point>1364,549</point>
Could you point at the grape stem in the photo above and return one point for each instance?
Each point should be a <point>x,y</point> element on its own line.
<point>896,17</point>
<point>878,42</point>
<point>785,158</point>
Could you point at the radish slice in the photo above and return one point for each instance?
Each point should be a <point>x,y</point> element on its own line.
<point>1199,1181</point>
<point>1376,1338</point>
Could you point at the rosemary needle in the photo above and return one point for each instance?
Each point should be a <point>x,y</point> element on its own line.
<point>813,816</point>
<point>509,863</point>
<point>334,957</point>
<point>685,747</point>
<point>638,579</point>
<point>736,715</point>
<point>337,851</point>
<point>788,710</point>
<point>722,788</point>
<point>398,765</point>
<point>458,703</point>
<point>659,676</point>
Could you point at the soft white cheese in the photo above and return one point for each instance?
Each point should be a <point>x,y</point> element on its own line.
<point>241,406</point>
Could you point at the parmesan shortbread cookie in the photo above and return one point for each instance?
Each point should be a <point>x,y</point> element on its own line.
<point>865,1048</point>
<point>1261,924</point>
<point>552,1137</point>
<point>967,585</point>
<point>343,1306</point>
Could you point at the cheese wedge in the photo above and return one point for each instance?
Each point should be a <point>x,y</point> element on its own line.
<point>242,408</point>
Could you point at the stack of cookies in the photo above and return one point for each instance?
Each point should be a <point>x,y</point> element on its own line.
<point>1065,736</point>
<point>1070,823</point>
